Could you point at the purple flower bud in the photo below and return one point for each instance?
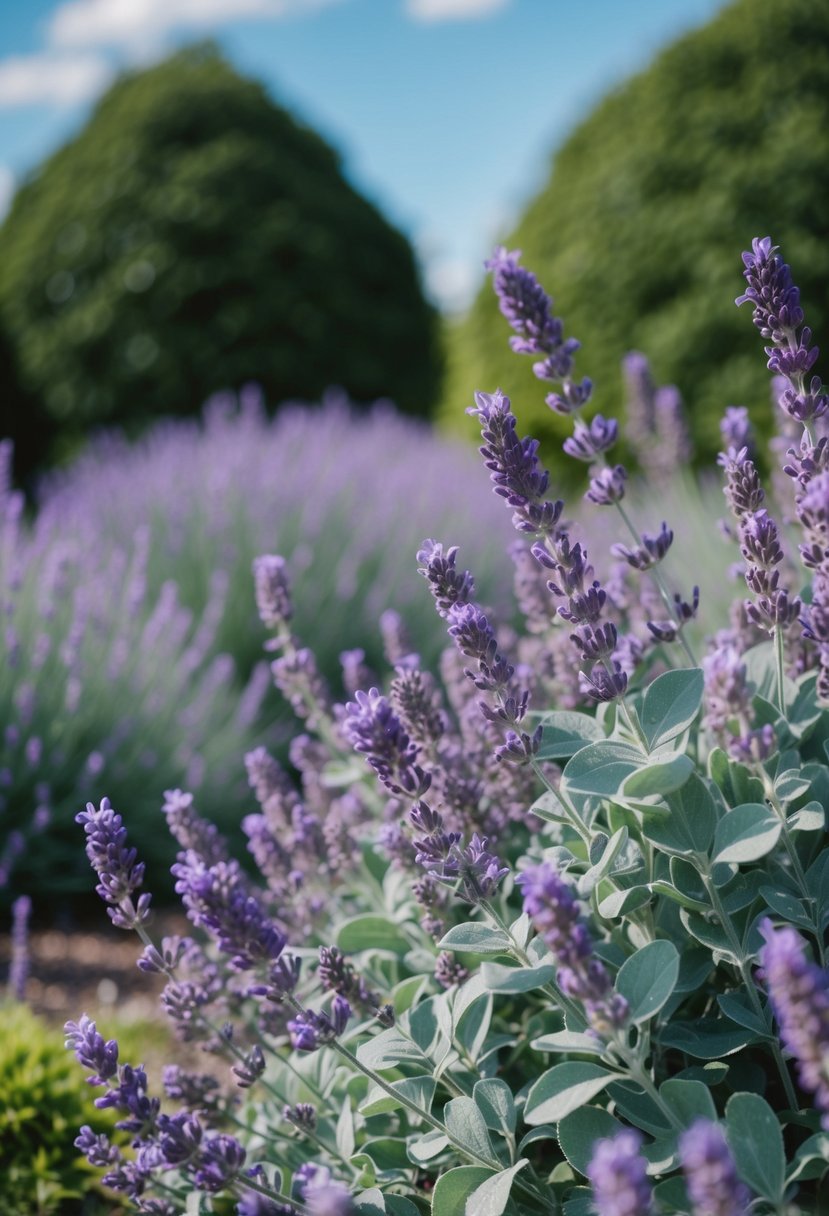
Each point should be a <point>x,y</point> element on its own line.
<point>618,1175</point>
<point>589,441</point>
<point>735,429</point>
<point>650,552</point>
<point>273,592</point>
<point>220,1163</point>
<point>599,684</point>
<point>119,874</point>
<point>373,729</point>
<point>608,486</point>
<point>710,1174</point>
<point>302,1115</point>
<point>249,1070</point>
<point>799,993</point>
<point>91,1051</point>
<point>448,585</point>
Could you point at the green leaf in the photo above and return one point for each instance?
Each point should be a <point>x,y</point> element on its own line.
<point>747,833</point>
<point>388,1049</point>
<point>546,1131</point>
<point>472,1026</point>
<point>688,1100</point>
<point>386,1152</point>
<point>579,1131</point>
<point>399,1205</point>
<point>705,1038</point>
<point>756,1142</point>
<point>453,1189</point>
<point>510,980</point>
<point>370,1203</point>
<point>737,1008</point>
<point>648,978</point>
<point>465,1124</point>
<point>810,818</point>
<point>564,1088</point>
<point>427,1147</point>
<point>494,1099</point>
<point>670,705</point>
<point>600,768</point>
<point>422,1024</point>
<point>663,776</point>
<point>692,822</point>
<point>569,1041</point>
<point>786,905</point>
<point>345,1130</point>
<point>371,933</point>
<point>564,732</point>
<point>663,887</point>
<point>620,902</point>
<point>602,864</point>
<point>811,1159</point>
<point>475,938</point>
<point>417,1089</point>
<point>492,1196</point>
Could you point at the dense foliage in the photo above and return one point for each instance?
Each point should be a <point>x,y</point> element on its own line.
<point>130,627</point>
<point>193,236</point>
<point>548,935</point>
<point>726,134</point>
<point>42,1100</point>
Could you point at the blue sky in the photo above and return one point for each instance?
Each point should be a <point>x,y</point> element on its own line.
<point>446,112</point>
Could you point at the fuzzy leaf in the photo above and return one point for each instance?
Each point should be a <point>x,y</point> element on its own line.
<point>475,938</point>
<point>510,980</point>
<point>579,1131</point>
<point>688,1100</point>
<point>492,1196</point>
<point>494,1099</point>
<point>648,978</point>
<point>662,776</point>
<point>453,1189</point>
<point>417,1089</point>
<point>371,933</point>
<point>670,705</point>
<point>747,833</point>
<point>564,1088</point>
<point>564,732</point>
<point>810,818</point>
<point>600,768</point>
<point>465,1124</point>
<point>756,1141</point>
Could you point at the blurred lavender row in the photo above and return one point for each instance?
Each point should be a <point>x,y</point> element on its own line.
<point>131,646</point>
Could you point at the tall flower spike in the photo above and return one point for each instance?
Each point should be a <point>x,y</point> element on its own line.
<point>119,874</point>
<point>710,1173</point>
<point>550,902</point>
<point>799,993</point>
<point>618,1174</point>
<point>529,310</point>
<point>373,728</point>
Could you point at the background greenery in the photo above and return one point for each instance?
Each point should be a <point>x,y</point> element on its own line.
<point>725,137</point>
<point>195,236</point>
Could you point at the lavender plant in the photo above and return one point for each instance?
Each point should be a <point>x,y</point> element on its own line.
<point>130,662</point>
<point>503,957</point>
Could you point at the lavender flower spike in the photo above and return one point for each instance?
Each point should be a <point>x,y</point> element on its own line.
<point>19,968</point>
<point>710,1173</point>
<point>118,873</point>
<point>799,992</point>
<point>618,1175</point>
<point>552,905</point>
<point>374,729</point>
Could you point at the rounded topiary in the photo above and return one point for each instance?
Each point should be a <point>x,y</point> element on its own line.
<point>194,236</point>
<point>724,136</point>
<point>44,1100</point>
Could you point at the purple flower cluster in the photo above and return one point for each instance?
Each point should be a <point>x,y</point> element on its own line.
<point>471,870</point>
<point>19,966</point>
<point>119,874</point>
<point>656,426</point>
<point>551,904</point>
<point>320,1194</point>
<point>799,993</point>
<point>618,1175</point>
<point>713,1185</point>
<point>310,1029</point>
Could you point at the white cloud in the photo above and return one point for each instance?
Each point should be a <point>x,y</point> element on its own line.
<point>453,10</point>
<point>51,78</point>
<point>126,23</point>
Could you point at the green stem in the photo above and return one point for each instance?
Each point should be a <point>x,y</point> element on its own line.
<point>750,987</point>
<point>573,818</point>
<point>661,586</point>
<point>778,652</point>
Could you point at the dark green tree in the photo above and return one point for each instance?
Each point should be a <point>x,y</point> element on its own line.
<point>195,236</point>
<point>637,234</point>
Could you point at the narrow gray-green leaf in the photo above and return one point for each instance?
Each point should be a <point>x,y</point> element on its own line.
<point>465,1124</point>
<point>475,938</point>
<point>756,1141</point>
<point>494,1099</point>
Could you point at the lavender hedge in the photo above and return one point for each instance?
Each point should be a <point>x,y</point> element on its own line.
<point>131,649</point>
<point>504,956</point>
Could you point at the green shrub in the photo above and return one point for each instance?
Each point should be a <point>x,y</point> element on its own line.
<point>43,1102</point>
<point>724,136</point>
<point>195,236</point>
